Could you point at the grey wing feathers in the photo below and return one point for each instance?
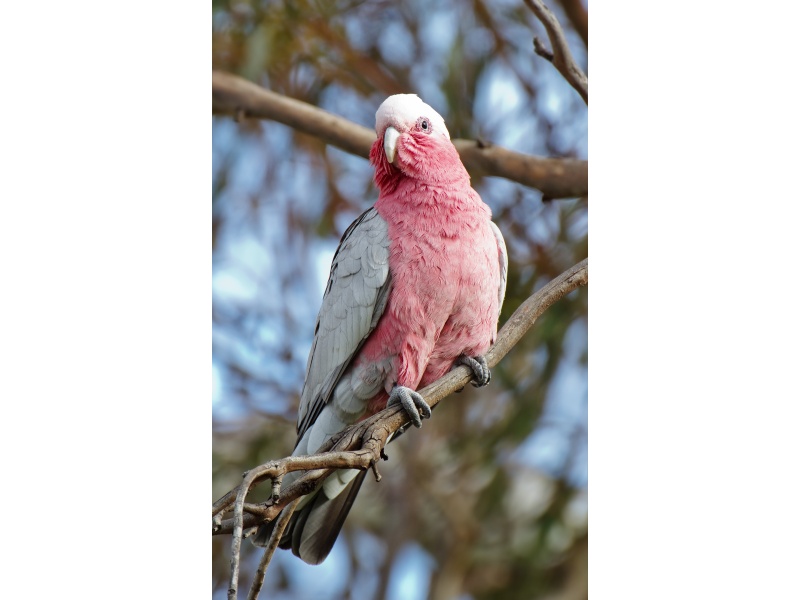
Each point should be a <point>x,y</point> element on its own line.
<point>355,298</point>
<point>503,256</point>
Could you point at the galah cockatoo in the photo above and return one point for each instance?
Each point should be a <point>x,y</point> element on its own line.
<point>415,288</point>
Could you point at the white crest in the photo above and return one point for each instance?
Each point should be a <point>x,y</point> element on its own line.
<point>401,111</point>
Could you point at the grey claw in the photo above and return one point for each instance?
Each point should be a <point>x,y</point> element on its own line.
<point>481,373</point>
<point>414,405</point>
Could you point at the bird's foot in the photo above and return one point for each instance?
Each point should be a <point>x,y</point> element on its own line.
<point>481,375</point>
<point>412,402</point>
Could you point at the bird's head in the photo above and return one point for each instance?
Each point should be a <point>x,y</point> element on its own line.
<point>412,142</point>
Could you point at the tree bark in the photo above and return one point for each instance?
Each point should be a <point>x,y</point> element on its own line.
<point>555,177</point>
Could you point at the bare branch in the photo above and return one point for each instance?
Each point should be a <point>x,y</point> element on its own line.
<point>561,57</point>
<point>555,177</point>
<point>318,466</point>
<point>280,526</point>
<point>360,445</point>
<point>579,18</point>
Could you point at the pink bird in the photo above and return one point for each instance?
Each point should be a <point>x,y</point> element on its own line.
<point>415,288</point>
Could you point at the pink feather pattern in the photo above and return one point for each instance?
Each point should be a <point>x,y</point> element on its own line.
<point>444,259</point>
<point>416,283</point>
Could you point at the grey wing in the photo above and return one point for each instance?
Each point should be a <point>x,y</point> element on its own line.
<point>355,298</point>
<point>503,256</point>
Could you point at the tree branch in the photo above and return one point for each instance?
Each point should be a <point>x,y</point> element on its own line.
<point>579,18</point>
<point>280,526</point>
<point>555,177</point>
<point>561,57</point>
<point>361,445</point>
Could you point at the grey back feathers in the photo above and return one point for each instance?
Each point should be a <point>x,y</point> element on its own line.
<point>358,288</point>
<point>355,298</point>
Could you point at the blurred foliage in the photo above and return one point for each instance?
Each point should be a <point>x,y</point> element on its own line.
<point>488,500</point>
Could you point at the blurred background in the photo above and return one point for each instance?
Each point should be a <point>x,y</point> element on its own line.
<point>489,498</point>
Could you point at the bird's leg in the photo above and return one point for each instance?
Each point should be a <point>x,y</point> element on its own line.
<point>412,402</point>
<point>480,370</point>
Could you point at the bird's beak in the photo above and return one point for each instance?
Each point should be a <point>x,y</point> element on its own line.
<point>390,143</point>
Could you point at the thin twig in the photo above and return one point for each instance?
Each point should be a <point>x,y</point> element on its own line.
<point>561,57</point>
<point>361,444</point>
<point>542,50</point>
<point>280,527</point>
<point>238,526</point>
<point>555,177</point>
<point>579,18</point>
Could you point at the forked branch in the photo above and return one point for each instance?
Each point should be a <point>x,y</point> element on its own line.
<point>361,445</point>
<point>561,57</point>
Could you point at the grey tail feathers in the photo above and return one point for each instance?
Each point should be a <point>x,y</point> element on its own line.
<point>313,529</point>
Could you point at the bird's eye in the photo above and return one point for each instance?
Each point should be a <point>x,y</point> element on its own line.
<point>424,125</point>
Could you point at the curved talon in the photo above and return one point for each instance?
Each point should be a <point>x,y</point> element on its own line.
<point>414,404</point>
<point>481,373</point>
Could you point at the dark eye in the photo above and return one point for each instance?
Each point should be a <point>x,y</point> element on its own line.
<point>424,124</point>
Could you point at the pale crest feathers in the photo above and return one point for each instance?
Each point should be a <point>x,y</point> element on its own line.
<point>401,111</point>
